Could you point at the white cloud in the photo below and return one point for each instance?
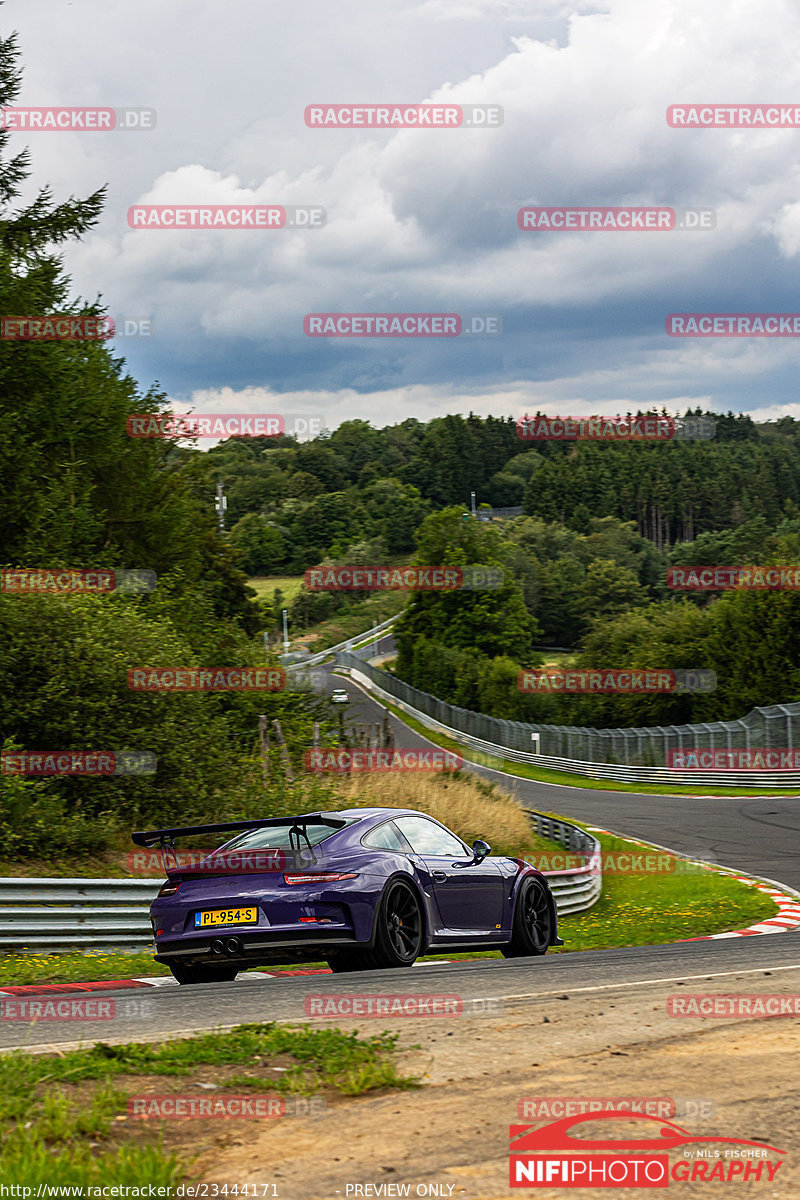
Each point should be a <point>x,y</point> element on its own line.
<point>426,220</point>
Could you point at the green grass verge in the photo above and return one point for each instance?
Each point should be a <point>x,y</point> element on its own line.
<point>264,586</point>
<point>64,1119</point>
<point>76,967</point>
<point>360,618</point>
<point>643,910</point>
<point>357,621</point>
<point>545,775</point>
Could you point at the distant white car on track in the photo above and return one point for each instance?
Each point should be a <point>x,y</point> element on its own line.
<point>339,696</point>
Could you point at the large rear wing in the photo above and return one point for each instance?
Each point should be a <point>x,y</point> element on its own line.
<point>166,837</point>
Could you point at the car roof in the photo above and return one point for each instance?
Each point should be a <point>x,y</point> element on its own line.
<point>363,813</point>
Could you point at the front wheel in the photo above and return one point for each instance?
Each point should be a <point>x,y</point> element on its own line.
<point>532,931</point>
<point>191,973</point>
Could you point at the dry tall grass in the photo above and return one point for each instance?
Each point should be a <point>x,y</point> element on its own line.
<point>465,804</point>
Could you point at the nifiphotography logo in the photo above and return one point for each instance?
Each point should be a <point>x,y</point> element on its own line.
<point>554,1156</point>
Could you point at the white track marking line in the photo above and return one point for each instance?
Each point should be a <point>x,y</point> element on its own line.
<point>607,987</point>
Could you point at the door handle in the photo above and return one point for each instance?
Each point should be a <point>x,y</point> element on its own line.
<point>439,876</point>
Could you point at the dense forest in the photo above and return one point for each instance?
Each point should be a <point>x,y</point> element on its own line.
<point>603,593</point>
<point>604,520</point>
<point>291,504</point>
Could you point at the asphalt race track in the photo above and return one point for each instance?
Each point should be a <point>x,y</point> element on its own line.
<point>756,835</point>
<point>149,1014</point>
<point>760,835</point>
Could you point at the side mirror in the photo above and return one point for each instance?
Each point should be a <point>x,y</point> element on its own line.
<point>479,850</point>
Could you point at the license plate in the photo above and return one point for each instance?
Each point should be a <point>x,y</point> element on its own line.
<point>226,916</point>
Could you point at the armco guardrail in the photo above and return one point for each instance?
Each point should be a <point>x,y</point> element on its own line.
<point>75,914</point>
<point>114,914</point>
<point>401,694</point>
<point>576,889</point>
<point>355,642</point>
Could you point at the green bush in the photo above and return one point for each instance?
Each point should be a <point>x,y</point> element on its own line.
<point>35,821</point>
<point>64,665</point>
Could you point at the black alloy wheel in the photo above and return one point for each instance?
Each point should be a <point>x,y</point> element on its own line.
<point>532,932</point>
<point>398,941</point>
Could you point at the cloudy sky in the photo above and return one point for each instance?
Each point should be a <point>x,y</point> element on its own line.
<point>426,220</point>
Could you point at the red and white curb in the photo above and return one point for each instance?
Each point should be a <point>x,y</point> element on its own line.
<point>788,916</point>
<point>107,985</point>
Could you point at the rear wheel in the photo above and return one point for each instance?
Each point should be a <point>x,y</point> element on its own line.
<point>191,973</point>
<point>398,938</point>
<point>532,931</point>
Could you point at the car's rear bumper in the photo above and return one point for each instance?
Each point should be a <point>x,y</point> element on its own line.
<point>251,947</point>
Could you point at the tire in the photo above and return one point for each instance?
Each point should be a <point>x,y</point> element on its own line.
<point>400,928</point>
<point>532,931</point>
<point>189,973</point>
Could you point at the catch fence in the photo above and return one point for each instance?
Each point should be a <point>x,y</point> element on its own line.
<point>637,754</point>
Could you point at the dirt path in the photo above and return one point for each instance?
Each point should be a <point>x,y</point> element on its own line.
<point>739,1077</point>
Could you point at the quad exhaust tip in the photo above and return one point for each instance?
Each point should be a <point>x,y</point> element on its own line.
<point>231,946</point>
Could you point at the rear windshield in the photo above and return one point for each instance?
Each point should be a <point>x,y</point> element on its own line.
<point>277,836</point>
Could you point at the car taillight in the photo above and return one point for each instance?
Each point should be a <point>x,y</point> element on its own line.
<point>321,877</point>
<point>169,888</point>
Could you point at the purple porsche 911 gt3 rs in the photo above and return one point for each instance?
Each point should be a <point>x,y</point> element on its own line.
<point>361,888</point>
